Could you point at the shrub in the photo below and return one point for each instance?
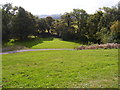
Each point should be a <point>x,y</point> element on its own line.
<point>66,35</point>
<point>104,46</point>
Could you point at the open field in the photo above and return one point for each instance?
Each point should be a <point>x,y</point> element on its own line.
<point>73,45</point>
<point>64,69</point>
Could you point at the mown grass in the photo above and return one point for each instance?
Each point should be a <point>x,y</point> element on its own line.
<point>43,43</point>
<point>56,43</point>
<point>61,69</point>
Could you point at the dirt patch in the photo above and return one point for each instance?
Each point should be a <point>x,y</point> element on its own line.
<point>11,48</point>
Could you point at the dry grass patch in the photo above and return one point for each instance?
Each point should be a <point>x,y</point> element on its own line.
<point>15,47</point>
<point>101,46</point>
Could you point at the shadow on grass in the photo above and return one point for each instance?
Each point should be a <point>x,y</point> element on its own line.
<point>77,41</point>
<point>33,41</point>
<point>26,43</point>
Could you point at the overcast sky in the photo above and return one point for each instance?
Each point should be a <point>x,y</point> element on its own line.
<point>38,7</point>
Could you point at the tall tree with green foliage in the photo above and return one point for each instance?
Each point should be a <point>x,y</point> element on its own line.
<point>80,17</point>
<point>115,32</point>
<point>23,24</point>
<point>42,25</point>
<point>94,26</point>
<point>110,15</point>
<point>59,27</point>
<point>6,21</point>
<point>67,18</point>
<point>49,21</point>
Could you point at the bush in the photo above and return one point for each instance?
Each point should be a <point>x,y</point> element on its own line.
<point>115,38</point>
<point>104,46</point>
<point>66,35</point>
<point>82,38</point>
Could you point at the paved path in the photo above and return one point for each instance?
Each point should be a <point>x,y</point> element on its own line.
<point>16,51</point>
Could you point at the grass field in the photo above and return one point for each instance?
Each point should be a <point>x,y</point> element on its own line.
<point>44,43</point>
<point>64,69</point>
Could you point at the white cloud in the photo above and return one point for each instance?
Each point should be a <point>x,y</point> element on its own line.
<point>60,6</point>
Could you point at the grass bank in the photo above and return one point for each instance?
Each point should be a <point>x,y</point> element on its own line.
<point>40,43</point>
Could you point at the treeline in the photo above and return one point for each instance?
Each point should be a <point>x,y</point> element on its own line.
<point>100,27</point>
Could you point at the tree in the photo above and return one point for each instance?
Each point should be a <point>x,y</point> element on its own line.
<point>6,21</point>
<point>118,6</point>
<point>42,25</point>
<point>80,16</point>
<point>109,16</point>
<point>94,25</point>
<point>67,18</point>
<point>103,26</point>
<point>49,21</point>
<point>59,27</point>
<point>24,24</point>
<point>115,32</point>
<point>32,23</point>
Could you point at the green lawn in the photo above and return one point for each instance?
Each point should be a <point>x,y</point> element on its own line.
<point>56,43</point>
<point>64,69</point>
<point>44,43</point>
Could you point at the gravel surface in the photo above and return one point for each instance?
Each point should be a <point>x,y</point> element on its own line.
<point>16,51</point>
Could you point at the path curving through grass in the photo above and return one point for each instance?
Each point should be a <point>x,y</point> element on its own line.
<point>26,50</point>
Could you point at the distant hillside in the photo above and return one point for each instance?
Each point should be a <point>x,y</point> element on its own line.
<point>55,16</point>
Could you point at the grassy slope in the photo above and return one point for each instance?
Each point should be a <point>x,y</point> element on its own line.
<point>56,43</point>
<point>64,69</point>
<point>40,43</point>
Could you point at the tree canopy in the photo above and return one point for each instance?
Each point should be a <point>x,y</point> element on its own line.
<point>100,27</point>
